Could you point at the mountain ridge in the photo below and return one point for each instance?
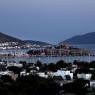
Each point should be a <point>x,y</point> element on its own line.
<point>88,38</point>
<point>7,38</point>
<point>36,42</point>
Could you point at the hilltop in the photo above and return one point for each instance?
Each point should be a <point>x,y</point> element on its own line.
<point>7,38</point>
<point>36,42</point>
<point>88,38</point>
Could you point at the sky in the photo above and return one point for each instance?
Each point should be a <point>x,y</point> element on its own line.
<point>47,20</point>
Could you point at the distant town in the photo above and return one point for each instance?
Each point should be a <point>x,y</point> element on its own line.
<point>45,50</point>
<point>38,48</point>
<point>37,78</point>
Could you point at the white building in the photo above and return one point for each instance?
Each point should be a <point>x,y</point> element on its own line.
<point>42,74</point>
<point>63,74</point>
<point>84,76</point>
<point>9,73</point>
<point>14,64</point>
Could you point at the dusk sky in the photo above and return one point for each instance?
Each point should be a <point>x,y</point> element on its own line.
<point>47,20</point>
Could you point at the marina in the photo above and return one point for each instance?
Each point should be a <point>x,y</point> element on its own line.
<point>21,55</point>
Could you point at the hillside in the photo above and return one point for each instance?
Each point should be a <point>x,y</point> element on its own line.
<point>88,38</point>
<point>7,38</point>
<point>36,42</point>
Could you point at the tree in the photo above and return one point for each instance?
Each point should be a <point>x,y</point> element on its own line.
<point>92,64</point>
<point>48,87</point>
<point>78,87</point>
<point>38,63</point>
<point>6,78</point>
<point>15,69</point>
<point>61,64</point>
<point>52,67</point>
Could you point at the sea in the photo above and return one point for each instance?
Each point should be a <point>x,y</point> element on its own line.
<point>68,59</point>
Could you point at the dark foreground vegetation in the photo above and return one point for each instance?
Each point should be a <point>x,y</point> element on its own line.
<point>28,85</point>
<point>32,84</point>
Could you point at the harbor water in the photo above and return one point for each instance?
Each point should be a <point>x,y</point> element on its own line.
<point>49,59</point>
